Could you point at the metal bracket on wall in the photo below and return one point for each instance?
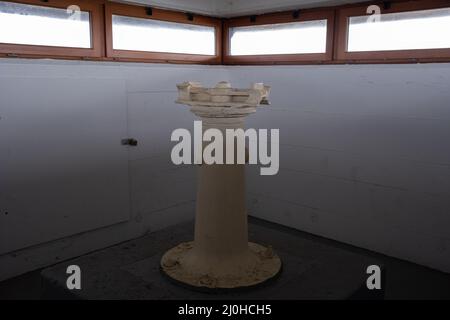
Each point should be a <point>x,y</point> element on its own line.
<point>129,142</point>
<point>387,5</point>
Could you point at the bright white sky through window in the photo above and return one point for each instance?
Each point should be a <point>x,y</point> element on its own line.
<point>283,38</point>
<point>36,25</point>
<point>162,36</point>
<point>428,29</point>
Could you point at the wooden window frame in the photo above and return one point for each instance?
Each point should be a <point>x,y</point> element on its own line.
<point>101,12</point>
<point>95,9</point>
<point>392,56</point>
<point>275,18</point>
<point>162,15</point>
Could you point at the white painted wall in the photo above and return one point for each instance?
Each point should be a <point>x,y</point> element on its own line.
<point>233,8</point>
<point>67,185</point>
<point>205,7</point>
<point>365,155</point>
<point>57,133</point>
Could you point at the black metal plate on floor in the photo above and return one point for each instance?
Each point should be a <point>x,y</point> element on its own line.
<point>312,269</point>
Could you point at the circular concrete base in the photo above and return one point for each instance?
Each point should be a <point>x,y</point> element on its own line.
<point>251,268</point>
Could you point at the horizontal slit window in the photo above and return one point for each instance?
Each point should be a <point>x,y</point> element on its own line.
<point>25,24</point>
<point>426,29</point>
<point>283,38</point>
<point>139,34</point>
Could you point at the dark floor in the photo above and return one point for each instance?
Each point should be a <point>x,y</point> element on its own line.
<point>404,280</point>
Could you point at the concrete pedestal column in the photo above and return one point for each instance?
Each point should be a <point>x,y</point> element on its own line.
<point>221,219</point>
<point>220,255</point>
